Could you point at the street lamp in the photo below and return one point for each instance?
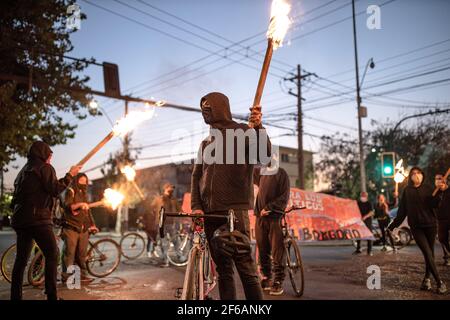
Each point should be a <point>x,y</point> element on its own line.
<point>362,112</point>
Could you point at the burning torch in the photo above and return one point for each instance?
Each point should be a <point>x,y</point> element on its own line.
<point>113,198</point>
<point>278,26</point>
<point>130,174</point>
<point>399,176</point>
<point>121,128</point>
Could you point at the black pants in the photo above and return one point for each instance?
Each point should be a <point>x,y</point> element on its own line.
<point>269,239</point>
<point>368,223</point>
<point>425,238</point>
<point>443,235</point>
<point>45,239</point>
<point>383,224</point>
<point>245,265</point>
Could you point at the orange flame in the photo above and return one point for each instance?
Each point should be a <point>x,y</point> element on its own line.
<point>131,120</point>
<point>279,22</point>
<point>129,172</point>
<point>113,198</point>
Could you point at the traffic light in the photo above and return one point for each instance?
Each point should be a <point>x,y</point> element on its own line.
<point>388,164</point>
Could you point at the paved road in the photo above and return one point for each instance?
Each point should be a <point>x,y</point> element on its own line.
<point>331,272</point>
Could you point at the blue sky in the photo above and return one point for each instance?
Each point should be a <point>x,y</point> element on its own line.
<point>414,38</point>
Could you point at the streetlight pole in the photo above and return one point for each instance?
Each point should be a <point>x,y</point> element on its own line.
<point>358,101</point>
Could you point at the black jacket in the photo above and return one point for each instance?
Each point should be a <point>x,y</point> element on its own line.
<point>35,187</point>
<point>83,220</point>
<point>221,186</point>
<point>273,193</point>
<point>417,205</point>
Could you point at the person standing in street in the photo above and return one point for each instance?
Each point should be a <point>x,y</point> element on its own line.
<point>366,210</point>
<point>77,224</point>
<point>170,204</point>
<point>443,215</point>
<point>35,188</point>
<point>271,201</point>
<point>220,182</point>
<point>383,218</point>
<point>417,204</point>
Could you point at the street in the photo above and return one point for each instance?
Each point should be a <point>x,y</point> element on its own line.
<point>331,272</point>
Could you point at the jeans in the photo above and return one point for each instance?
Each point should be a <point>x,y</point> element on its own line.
<point>245,265</point>
<point>368,223</point>
<point>45,239</point>
<point>75,249</point>
<point>270,242</point>
<point>425,238</point>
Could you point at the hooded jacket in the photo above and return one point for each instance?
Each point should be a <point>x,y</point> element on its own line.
<point>273,193</point>
<point>416,204</point>
<point>35,187</point>
<point>75,194</point>
<point>218,186</point>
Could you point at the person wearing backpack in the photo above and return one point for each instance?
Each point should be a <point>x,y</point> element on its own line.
<point>77,223</point>
<point>35,188</point>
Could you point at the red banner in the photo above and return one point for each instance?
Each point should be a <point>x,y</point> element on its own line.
<point>325,217</point>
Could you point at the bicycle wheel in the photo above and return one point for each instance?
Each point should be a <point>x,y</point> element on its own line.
<point>179,248</point>
<point>103,257</point>
<point>192,286</point>
<point>7,263</point>
<point>132,245</point>
<point>295,267</point>
<point>36,270</point>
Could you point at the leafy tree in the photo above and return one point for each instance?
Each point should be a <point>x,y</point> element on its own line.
<point>33,41</point>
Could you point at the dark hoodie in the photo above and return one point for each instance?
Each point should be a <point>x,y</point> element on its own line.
<point>35,187</point>
<point>220,187</point>
<point>417,205</point>
<point>77,193</point>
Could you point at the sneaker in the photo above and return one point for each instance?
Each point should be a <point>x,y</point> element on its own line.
<point>277,289</point>
<point>442,288</point>
<point>426,284</point>
<point>370,254</point>
<point>149,254</point>
<point>266,284</point>
<point>384,249</point>
<point>165,265</point>
<point>357,251</point>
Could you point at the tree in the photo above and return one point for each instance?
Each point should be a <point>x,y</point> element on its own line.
<point>33,41</point>
<point>424,143</point>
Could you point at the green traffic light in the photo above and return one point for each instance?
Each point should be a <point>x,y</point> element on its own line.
<point>387,170</point>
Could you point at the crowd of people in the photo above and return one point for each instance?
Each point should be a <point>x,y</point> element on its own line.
<point>215,189</point>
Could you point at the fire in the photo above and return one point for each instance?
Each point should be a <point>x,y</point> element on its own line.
<point>279,22</point>
<point>131,120</point>
<point>113,198</point>
<point>129,172</point>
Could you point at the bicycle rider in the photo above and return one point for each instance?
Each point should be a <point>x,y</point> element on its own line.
<point>77,224</point>
<point>219,186</point>
<point>273,196</point>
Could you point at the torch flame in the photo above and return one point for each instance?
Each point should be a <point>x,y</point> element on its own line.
<point>129,172</point>
<point>279,22</point>
<point>131,120</point>
<point>113,198</point>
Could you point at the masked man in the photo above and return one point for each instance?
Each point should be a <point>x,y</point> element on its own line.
<point>443,215</point>
<point>35,188</point>
<point>77,224</point>
<point>222,179</point>
<point>367,212</point>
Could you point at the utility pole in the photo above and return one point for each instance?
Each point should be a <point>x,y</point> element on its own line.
<point>297,79</point>
<point>359,109</point>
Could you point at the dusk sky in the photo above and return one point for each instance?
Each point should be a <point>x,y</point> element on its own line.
<point>150,42</point>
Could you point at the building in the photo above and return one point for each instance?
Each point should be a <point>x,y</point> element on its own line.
<point>288,161</point>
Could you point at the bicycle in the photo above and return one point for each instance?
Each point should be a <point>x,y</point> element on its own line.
<point>200,277</point>
<point>9,257</point>
<point>133,245</point>
<point>103,258</point>
<point>293,261</point>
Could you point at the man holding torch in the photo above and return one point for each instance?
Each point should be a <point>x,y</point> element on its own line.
<point>35,188</point>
